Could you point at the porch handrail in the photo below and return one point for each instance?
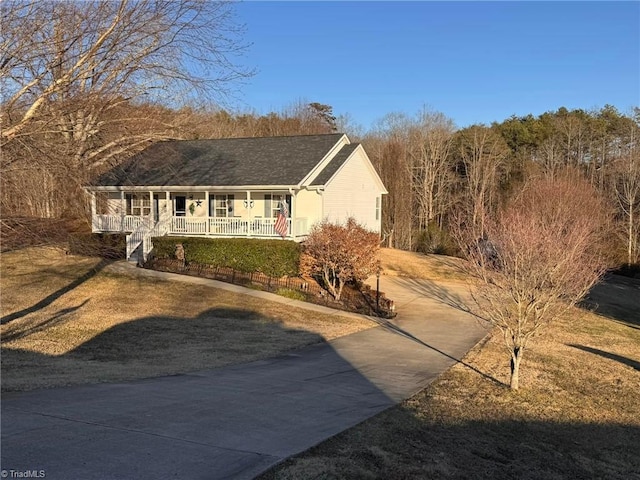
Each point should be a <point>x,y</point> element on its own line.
<point>135,238</point>
<point>160,229</point>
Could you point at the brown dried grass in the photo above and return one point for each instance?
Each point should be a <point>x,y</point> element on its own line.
<point>65,320</point>
<point>418,265</point>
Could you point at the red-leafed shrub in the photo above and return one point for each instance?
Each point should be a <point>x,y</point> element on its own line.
<point>340,253</point>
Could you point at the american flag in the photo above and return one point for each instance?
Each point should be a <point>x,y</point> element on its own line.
<point>281,226</point>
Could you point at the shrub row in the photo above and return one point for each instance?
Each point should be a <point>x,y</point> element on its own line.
<point>105,245</point>
<point>276,258</point>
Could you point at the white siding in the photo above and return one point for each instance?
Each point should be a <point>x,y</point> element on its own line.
<point>164,206</point>
<point>352,192</point>
<point>198,210</point>
<point>308,208</point>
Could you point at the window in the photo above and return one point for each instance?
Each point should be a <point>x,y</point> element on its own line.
<point>377,208</point>
<point>272,204</point>
<point>221,205</point>
<point>138,204</point>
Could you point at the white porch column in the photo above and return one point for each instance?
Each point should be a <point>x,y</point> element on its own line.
<point>94,220</point>
<point>249,208</point>
<point>123,210</point>
<point>151,210</point>
<point>206,206</point>
<point>293,214</point>
<point>168,208</point>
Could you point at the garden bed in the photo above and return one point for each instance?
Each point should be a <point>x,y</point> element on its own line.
<point>353,299</point>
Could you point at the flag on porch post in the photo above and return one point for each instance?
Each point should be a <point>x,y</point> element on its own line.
<point>282,226</point>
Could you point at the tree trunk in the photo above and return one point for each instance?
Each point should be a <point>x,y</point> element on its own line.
<point>630,236</point>
<point>516,357</point>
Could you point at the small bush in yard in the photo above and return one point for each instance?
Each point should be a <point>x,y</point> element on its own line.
<point>436,240</point>
<point>292,294</point>
<point>340,253</point>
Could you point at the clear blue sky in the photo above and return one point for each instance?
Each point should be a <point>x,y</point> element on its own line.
<point>472,61</point>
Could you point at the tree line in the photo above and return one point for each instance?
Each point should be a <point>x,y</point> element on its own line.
<point>435,172</point>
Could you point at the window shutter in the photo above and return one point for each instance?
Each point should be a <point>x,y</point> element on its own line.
<point>288,200</point>
<point>267,205</point>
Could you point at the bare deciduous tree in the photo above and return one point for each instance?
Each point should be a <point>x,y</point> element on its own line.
<point>483,153</point>
<point>431,169</point>
<point>539,257</point>
<point>76,74</point>
<point>110,50</point>
<point>388,148</point>
<point>626,185</point>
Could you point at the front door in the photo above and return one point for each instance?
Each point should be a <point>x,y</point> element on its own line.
<point>181,206</point>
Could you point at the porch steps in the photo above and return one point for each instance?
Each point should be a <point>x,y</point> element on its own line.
<point>136,256</point>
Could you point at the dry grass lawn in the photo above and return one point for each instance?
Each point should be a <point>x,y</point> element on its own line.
<point>577,414</point>
<point>66,321</point>
<point>418,265</point>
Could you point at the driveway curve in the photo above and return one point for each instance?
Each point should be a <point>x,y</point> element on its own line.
<point>236,422</point>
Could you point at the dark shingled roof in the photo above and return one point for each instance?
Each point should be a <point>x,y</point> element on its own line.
<point>335,163</point>
<point>224,162</point>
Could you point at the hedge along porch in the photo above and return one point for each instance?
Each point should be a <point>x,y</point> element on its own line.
<point>237,187</point>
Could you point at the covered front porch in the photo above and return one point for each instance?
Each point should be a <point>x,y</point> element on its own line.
<point>198,213</point>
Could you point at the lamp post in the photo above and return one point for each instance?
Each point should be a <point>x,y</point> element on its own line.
<point>378,290</point>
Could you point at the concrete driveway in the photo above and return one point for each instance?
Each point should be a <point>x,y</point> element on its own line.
<point>236,422</point>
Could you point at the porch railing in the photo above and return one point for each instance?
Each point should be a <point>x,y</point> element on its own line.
<point>189,225</point>
<point>214,226</point>
<point>118,223</point>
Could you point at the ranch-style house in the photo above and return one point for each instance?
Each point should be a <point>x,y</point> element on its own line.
<point>237,187</point>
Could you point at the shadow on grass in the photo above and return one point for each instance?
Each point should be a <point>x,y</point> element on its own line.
<point>48,300</point>
<point>218,332</point>
<point>58,318</point>
<point>401,444</point>
<point>612,356</point>
<point>152,346</point>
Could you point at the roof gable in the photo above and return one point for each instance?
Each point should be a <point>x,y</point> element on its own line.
<point>224,162</point>
<point>340,161</point>
<point>334,165</point>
